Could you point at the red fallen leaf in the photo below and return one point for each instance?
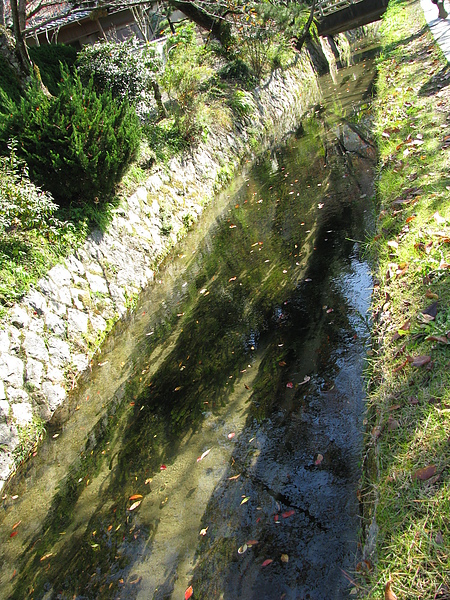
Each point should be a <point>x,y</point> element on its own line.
<point>276,518</point>
<point>252,543</point>
<point>267,562</point>
<point>163,467</point>
<point>420,361</point>
<point>282,363</point>
<point>409,219</point>
<point>288,513</point>
<point>424,473</point>
<point>14,533</point>
<point>290,385</point>
<point>135,497</point>
<point>188,593</point>
<point>231,435</point>
<point>319,459</point>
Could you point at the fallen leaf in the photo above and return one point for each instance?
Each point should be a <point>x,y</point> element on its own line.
<point>46,556</point>
<point>284,558</point>
<point>438,338</point>
<point>203,531</point>
<point>242,549</point>
<point>420,361</point>
<point>388,593</point>
<point>306,378</point>
<point>231,435</point>
<point>234,477</point>
<point>288,513</point>
<point>251,543</point>
<point>431,295</point>
<point>393,424</point>
<point>134,505</point>
<point>424,473</point>
<point>431,310</point>
<point>13,534</point>
<point>282,363</point>
<point>276,518</point>
<point>16,525</point>
<point>188,593</point>
<point>163,467</point>
<point>205,453</point>
<point>290,385</point>
<point>267,562</point>
<point>439,220</point>
<point>135,497</point>
<point>232,279</point>
<point>319,459</point>
<point>246,499</point>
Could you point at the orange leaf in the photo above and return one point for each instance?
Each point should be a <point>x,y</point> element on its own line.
<point>188,593</point>
<point>135,497</point>
<point>424,473</point>
<point>16,525</point>
<point>267,562</point>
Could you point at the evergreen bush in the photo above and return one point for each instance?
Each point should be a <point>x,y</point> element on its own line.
<point>78,144</point>
<point>49,58</point>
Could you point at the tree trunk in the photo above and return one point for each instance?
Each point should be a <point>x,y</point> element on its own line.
<point>21,50</point>
<point>157,93</point>
<point>305,33</point>
<point>217,26</point>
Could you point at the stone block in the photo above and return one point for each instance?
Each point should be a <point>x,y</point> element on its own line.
<point>8,436</point>
<point>34,372</point>
<point>77,321</point>
<point>4,341</point>
<point>54,393</point>
<point>35,347</point>
<point>11,369</point>
<point>22,413</point>
<point>96,283</point>
<point>59,351</point>
<point>19,317</point>
<point>36,302</point>
<point>60,275</point>
<point>55,324</point>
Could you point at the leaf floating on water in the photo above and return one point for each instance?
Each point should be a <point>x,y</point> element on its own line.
<point>282,363</point>
<point>290,385</point>
<point>232,279</point>
<point>163,467</point>
<point>134,505</point>
<point>231,435</point>
<point>16,525</point>
<point>205,453</point>
<point>47,556</point>
<point>267,562</point>
<point>234,477</point>
<point>13,534</point>
<point>135,497</point>
<point>306,378</point>
<point>424,473</point>
<point>288,513</point>
<point>233,226</point>
<point>251,543</point>
<point>319,459</point>
<point>284,558</point>
<point>246,499</point>
<point>203,531</point>
<point>188,593</point>
<point>242,549</point>
<point>276,518</point>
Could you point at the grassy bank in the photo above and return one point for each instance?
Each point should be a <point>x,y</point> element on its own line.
<point>408,457</point>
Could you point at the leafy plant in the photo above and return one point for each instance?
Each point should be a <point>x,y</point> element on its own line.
<point>77,145</point>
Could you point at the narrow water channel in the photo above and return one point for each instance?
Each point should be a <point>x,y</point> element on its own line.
<point>216,443</point>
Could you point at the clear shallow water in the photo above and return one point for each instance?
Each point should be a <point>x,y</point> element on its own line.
<point>246,353</point>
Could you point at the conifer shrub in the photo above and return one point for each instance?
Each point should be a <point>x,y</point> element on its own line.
<point>49,58</point>
<point>78,144</point>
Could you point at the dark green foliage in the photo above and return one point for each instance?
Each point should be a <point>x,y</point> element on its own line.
<point>49,59</point>
<point>76,145</point>
<point>238,70</point>
<point>9,84</point>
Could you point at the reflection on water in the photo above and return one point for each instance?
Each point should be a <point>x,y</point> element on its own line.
<point>229,403</point>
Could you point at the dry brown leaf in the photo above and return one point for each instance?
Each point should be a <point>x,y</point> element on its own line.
<point>388,593</point>
<point>424,473</point>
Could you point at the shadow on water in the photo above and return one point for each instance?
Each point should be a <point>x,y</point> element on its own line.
<point>240,411</point>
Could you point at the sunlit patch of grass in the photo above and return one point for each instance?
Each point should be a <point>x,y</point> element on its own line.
<point>409,375</point>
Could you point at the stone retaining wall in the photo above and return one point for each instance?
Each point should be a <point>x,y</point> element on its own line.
<point>48,339</point>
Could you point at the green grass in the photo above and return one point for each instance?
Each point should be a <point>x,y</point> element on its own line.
<point>409,376</point>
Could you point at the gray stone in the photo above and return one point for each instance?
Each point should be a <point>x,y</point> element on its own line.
<point>77,321</point>
<point>98,323</point>
<point>97,283</point>
<point>55,324</point>
<point>4,409</point>
<point>8,436</point>
<point>34,346</point>
<point>47,287</point>
<point>15,337</point>
<point>54,393</point>
<point>2,390</point>
<point>55,375</point>
<point>22,413</point>
<point>60,275</point>
<point>57,307</point>
<point>6,466</point>
<point>81,298</point>
<point>19,317</point>
<point>64,296</point>
<point>36,325</point>
<point>59,351</point>
<point>4,341</point>
<point>95,268</point>
<point>34,371</point>
<point>11,369</point>
<point>36,301</point>
<point>80,362</point>
<point>16,394</point>
<point>75,266</point>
